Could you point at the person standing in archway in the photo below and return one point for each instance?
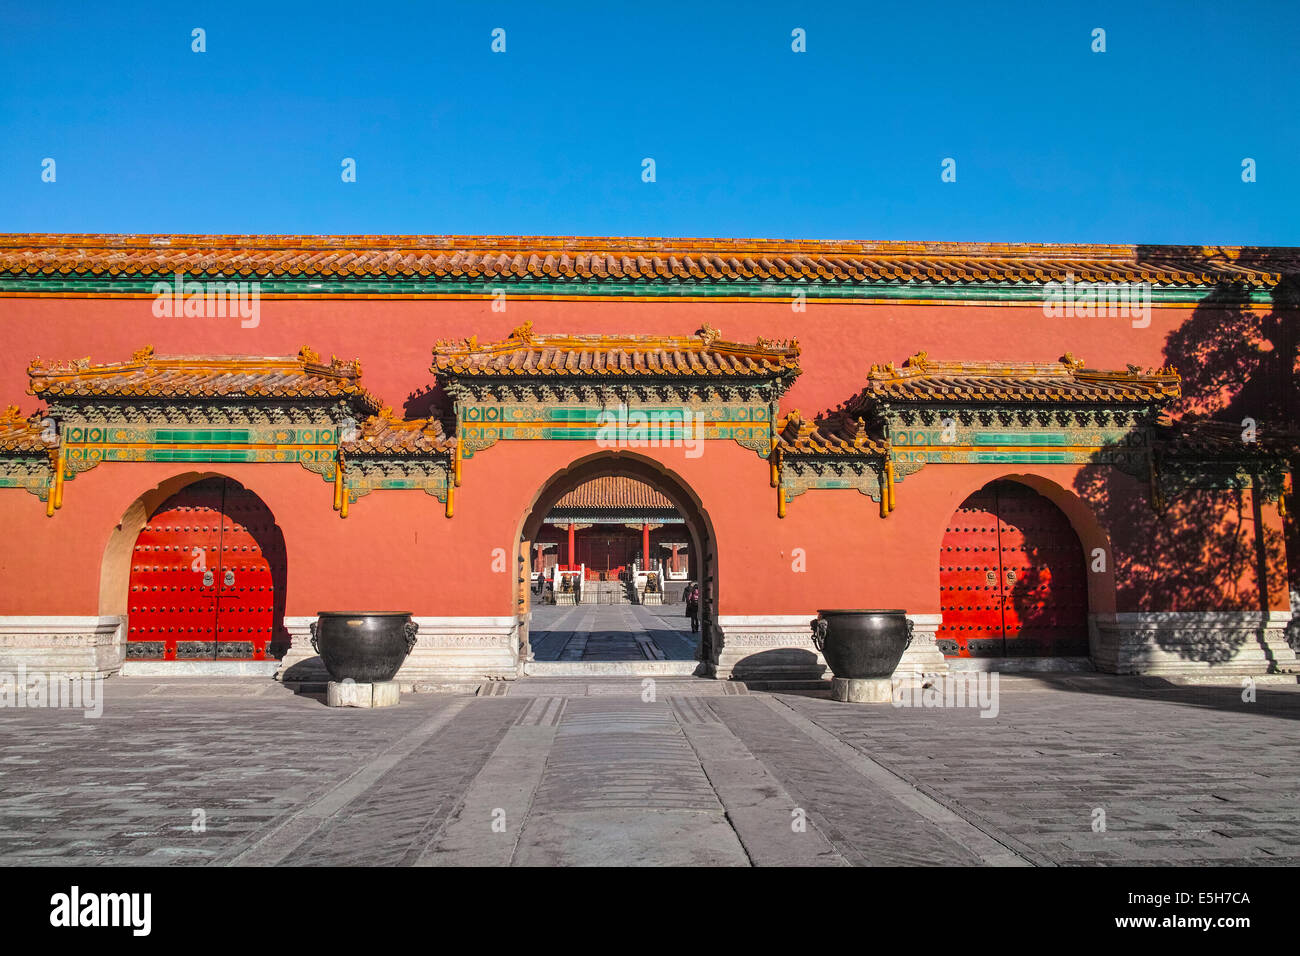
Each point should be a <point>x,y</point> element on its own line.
<point>693,605</point>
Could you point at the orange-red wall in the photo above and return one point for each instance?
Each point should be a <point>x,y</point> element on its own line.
<point>398,551</point>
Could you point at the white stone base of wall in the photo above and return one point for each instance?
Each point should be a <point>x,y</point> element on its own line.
<point>1192,642</point>
<point>1020,665</point>
<point>262,669</point>
<point>446,649</point>
<point>90,645</point>
<point>780,647</point>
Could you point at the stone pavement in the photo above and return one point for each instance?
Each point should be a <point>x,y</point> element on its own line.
<point>564,771</point>
<point>612,632</point>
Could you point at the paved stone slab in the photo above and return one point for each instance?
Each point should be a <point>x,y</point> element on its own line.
<point>1187,775</point>
<point>611,633</point>
<point>208,771</point>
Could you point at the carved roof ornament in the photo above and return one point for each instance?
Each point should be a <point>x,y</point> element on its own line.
<point>147,375</point>
<point>835,433</point>
<point>921,379</point>
<point>22,434</point>
<point>385,434</point>
<point>526,354</point>
<point>631,261</point>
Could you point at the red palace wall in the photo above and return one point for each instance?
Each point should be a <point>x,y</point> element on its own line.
<point>398,550</point>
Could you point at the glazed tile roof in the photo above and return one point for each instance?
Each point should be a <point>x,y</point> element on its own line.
<point>703,355</point>
<point>614,492</point>
<point>304,376</point>
<point>655,260</point>
<point>19,434</point>
<point>1065,381</point>
<point>387,435</point>
<point>836,433</point>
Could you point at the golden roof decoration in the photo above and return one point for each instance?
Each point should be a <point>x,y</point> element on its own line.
<point>705,354</point>
<point>388,434</point>
<point>835,433</point>
<point>19,433</point>
<point>148,375</point>
<point>921,379</point>
<point>636,259</point>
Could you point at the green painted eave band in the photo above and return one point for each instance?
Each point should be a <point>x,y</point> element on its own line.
<point>677,288</point>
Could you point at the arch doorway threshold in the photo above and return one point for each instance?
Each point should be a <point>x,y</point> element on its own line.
<point>595,640</point>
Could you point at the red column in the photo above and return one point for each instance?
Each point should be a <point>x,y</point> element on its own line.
<point>672,565</point>
<point>645,547</point>
<point>572,561</point>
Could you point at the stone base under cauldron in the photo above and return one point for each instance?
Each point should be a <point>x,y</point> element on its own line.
<point>351,694</point>
<point>875,690</point>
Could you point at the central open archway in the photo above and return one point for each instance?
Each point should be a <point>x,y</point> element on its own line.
<point>697,529</point>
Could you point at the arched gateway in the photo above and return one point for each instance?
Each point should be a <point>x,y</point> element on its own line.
<point>649,472</point>
<point>207,577</point>
<point>1011,578</point>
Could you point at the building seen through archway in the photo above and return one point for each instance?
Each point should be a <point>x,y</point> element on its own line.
<point>611,567</point>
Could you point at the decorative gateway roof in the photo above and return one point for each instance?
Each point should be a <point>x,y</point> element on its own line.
<point>147,376</point>
<point>836,433</point>
<point>1066,381</point>
<point>601,260</point>
<point>704,355</point>
<point>22,435</point>
<point>614,493</point>
<point>386,435</point>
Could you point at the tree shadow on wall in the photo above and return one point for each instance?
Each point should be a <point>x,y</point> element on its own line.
<point>1201,551</point>
<point>1239,363</point>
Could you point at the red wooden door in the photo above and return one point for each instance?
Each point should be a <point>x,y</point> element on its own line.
<point>246,595</point>
<point>1011,578</point>
<point>1044,589</point>
<point>201,586</point>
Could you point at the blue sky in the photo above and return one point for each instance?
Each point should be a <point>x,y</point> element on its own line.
<point>1053,143</point>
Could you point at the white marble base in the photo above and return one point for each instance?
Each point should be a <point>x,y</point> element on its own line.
<point>610,668</point>
<point>199,668</point>
<point>879,690</point>
<point>446,649</point>
<point>1159,643</point>
<point>351,694</point>
<point>780,647</point>
<point>88,645</point>
<point>1021,665</point>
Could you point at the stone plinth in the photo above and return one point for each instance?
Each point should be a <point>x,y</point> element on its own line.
<point>1162,643</point>
<point>877,690</point>
<point>446,649</point>
<point>351,694</point>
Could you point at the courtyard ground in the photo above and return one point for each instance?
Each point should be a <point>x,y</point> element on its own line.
<point>1073,769</point>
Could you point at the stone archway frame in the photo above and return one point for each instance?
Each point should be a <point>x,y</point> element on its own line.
<point>115,568</point>
<point>621,463</point>
<point>1093,538</point>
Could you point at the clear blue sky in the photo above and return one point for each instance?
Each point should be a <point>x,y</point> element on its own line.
<point>1053,143</point>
